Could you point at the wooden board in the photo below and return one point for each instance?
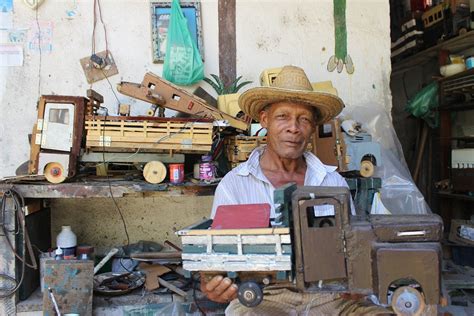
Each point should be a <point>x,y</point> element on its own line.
<point>94,74</point>
<point>71,282</point>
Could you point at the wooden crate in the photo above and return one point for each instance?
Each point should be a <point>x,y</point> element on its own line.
<point>149,134</point>
<point>238,148</point>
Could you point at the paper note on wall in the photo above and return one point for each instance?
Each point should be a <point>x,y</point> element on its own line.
<point>11,55</point>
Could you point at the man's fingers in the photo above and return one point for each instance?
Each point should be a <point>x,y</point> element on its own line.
<point>230,293</point>
<point>213,283</point>
<point>222,286</point>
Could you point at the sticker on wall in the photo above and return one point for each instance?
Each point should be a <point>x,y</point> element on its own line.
<point>71,12</point>
<point>17,35</point>
<point>33,4</point>
<point>6,14</point>
<point>42,36</point>
<point>340,58</point>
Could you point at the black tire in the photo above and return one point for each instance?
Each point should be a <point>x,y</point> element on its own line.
<point>250,294</point>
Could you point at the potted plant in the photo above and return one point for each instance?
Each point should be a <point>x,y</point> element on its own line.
<point>227,100</point>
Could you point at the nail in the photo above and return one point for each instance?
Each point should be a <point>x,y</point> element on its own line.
<point>227,281</point>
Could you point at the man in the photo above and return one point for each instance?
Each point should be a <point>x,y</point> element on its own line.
<point>290,111</point>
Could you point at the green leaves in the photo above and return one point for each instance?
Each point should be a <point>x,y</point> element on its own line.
<point>220,88</point>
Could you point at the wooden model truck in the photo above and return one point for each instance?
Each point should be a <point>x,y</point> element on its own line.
<point>68,132</point>
<point>395,257</point>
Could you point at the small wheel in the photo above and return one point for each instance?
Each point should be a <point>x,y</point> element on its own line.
<point>407,301</point>
<point>54,172</point>
<point>366,168</point>
<point>154,172</point>
<point>250,294</point>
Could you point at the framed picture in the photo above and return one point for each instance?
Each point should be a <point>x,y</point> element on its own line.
<point>160,18</point>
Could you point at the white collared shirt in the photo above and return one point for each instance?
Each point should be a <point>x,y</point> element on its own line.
<point>247,184</point>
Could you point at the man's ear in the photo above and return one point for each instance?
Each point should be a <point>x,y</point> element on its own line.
<point>264,118</point>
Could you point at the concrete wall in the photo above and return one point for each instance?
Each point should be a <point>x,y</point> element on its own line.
<point>269,34</point>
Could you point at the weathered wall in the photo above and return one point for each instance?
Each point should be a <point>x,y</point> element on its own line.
<point>269,34</point>
<point>97,221</point>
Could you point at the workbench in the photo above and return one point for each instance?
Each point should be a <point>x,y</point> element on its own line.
<point>151,212</point>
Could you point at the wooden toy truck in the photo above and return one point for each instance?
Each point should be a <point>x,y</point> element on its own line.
<point>395,257</point>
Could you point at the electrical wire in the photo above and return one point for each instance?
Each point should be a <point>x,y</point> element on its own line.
<point>18,205</point>
<point>194,295</point>
<point>97,8</point>
<point>40,52</point>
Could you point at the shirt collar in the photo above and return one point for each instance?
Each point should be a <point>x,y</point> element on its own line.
<point>315,173</point>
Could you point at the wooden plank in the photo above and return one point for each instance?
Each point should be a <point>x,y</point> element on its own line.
<point>246,239</point>
<point>249,231</point>
<point>91,189</point>
<point>227,41</point>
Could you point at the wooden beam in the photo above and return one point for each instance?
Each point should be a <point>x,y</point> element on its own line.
<point>227,44</point>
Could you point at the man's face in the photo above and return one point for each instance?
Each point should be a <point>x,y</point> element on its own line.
<point>290,126</point>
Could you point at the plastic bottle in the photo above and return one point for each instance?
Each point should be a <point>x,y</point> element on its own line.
<point>67,241</point>
<point>58,255</point>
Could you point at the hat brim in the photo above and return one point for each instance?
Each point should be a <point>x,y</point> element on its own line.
<point>254,100</point>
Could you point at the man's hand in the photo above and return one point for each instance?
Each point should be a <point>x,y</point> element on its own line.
<point>219,289</point>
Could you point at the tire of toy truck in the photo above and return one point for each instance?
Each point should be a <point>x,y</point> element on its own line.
<point>408,301</point>
<point>54,172</point>
<point>250,294</point>
<point>367,166</point>
<point>154,172</point>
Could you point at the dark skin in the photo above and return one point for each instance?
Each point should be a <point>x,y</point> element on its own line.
<point>289,128</point>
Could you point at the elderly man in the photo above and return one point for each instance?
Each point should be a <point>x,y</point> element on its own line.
<point>290,111</point>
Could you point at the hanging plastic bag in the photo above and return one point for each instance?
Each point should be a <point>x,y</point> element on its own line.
<point>424,103</point>
<point>183,64</point>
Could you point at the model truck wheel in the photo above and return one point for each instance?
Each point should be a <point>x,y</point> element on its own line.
<point>54,172</point>
<point>250,294</point>
<point>407,301</point>
<point>154,172</point>
<point>367,166</point>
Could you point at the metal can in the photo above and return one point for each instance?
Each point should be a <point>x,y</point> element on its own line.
<point>207,171</point>
<point>470,62</point>
<point>176,173</point>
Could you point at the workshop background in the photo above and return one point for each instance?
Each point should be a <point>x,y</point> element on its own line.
<point>268,34</point>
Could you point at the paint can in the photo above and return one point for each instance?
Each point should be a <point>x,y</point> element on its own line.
<point>470,62</point>
<point>176,173</point>
<point>207,169</point>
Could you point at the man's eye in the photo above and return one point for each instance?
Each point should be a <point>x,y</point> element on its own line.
<point>281,116</point>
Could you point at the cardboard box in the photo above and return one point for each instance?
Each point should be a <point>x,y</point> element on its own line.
<point>454,235</point>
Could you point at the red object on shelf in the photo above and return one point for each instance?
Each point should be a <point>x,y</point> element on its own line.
<point>419,5</point>
<point>242,216</point>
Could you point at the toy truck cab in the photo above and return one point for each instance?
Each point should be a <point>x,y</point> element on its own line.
<point>394,257</point>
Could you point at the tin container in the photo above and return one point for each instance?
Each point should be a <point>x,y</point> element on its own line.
<point>470,62</point>
<point>207,169</point>
<point>176,173</point>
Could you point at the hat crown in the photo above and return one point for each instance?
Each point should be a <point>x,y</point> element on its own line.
<point>293,78</point>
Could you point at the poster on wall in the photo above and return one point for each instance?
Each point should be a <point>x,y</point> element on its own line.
<point>6,14</point>
<point>42,38</point>
<point>160,18</point>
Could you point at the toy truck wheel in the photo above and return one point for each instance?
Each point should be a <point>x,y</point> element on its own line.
<point>54,172</point>
<point>408,301</point>
<point>154,172</point>
<point>250,294</point>
<point>367,166</point>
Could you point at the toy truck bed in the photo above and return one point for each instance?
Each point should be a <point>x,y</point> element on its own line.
<point>235,250</point>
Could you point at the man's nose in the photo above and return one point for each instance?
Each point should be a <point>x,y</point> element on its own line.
<point>293,126</point>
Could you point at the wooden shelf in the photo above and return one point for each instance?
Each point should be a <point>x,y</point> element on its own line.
<point>456,196</point>
<point>100,189</point>
<point>454,45</point>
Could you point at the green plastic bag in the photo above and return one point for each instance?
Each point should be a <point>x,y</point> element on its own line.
<point>183,64</point>
<point>424,104</point>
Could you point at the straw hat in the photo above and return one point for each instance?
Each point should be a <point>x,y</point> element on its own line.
<point>292,85</point>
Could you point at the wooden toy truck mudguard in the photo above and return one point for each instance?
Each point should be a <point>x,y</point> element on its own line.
<point>395,257</point>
